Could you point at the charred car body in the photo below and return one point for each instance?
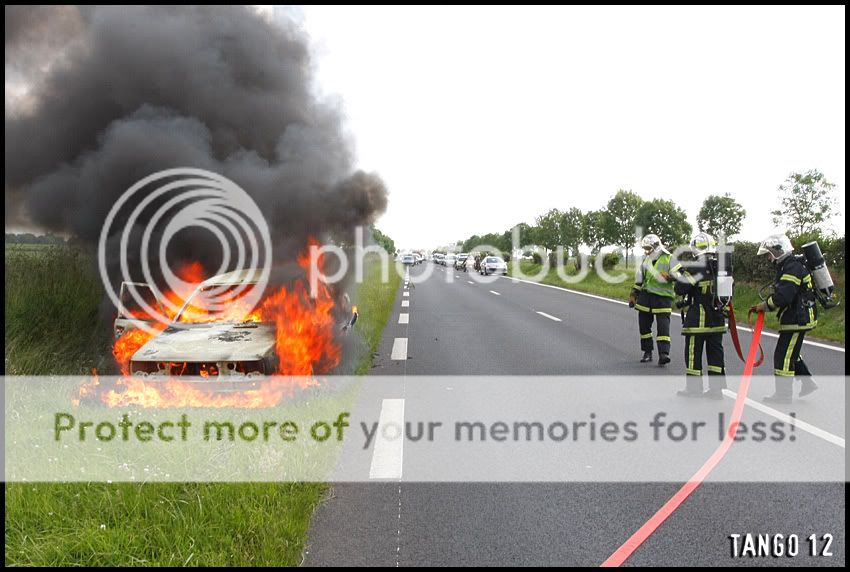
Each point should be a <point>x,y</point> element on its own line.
<point>235,345</point>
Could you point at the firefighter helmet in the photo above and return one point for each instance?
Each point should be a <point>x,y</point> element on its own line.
<point>650,243</point>
<point>703,243</point>
<point>777,246</point>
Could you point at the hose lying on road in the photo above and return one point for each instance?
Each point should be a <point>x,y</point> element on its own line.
<point>629,546</point>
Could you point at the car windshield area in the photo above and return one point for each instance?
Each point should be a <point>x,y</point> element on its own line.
<point>493,259</point>
<point>138,301</point>
<point>222,303</point>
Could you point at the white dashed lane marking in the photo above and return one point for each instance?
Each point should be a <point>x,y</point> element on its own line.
<point>399,349</point>
<point>403,318</point>
<point>545,315</point>
<point>387,456</point>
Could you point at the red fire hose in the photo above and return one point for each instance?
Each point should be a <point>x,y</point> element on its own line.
<point>629,546</point>
<point>733,331</point>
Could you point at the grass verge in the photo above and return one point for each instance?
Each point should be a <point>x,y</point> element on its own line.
<point>52,327</point>
<point>374,301</point>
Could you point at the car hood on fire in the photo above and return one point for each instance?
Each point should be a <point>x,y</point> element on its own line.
<point>209,343</point>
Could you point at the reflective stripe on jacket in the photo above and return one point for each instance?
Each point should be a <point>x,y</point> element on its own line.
<point>793,295</point>
<point>697,286</point>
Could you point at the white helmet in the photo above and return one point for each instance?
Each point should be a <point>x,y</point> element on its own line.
<point>703,243</point>
<point>650,243</point>
<point>778,246</point>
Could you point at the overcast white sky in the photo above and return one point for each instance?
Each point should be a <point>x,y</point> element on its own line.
<point>478,119</point>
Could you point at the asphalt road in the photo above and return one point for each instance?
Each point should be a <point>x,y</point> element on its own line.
<point>515,328</point>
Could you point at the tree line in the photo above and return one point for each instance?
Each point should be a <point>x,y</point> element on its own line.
<point>30,238</point>
<point>805,203</point>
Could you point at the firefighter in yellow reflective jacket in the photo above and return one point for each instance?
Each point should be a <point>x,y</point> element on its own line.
<point>652,297</point>
<point>703,319</point>
<point>794,298</point>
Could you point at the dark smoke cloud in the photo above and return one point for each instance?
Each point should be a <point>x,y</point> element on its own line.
<point>134,90</point>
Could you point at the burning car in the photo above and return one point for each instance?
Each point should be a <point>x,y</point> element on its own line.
<point>288,332</point>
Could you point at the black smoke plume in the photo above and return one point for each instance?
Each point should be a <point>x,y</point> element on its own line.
<point>98,98</point>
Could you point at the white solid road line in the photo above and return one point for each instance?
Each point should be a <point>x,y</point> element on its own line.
<point>405,303</point>
<point>567,290</point>
<point>399,349</point>
<point>406,294</point>
<point>494,292</point>
<point>545,315</point>
<point>603,298</point>
<point>387,456</point>
<point>806,342</point>
<point>403,318</point>
<point>807,427</point>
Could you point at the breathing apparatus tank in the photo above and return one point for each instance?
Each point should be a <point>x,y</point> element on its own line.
<point>824,287</point>
<point>724,279</point>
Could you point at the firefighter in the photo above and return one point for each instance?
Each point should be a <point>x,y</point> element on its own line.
<point>794,298</point>
<point>652,296</point>
<point>703,319</point>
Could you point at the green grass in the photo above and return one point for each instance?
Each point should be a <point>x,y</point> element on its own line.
<point>51,303</point>
<point>830,323</point>
<point>158,524</point>
<point>53,327</point>
<point>374,299</point>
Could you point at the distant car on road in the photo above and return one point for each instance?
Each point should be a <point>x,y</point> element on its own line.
<point>408,260</point>
<point>493,265</point>
<point>449,261</point>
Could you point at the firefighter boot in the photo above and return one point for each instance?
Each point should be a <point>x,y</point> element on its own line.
<point>783,393</point>
<point>809,386</point>
<point>716,385</point>
<point>693,387</point>
<point>647,356</point>
<point>663,359</point>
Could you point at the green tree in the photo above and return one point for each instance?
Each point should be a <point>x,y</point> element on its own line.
<point>593,230</point>
<point>572,230</point>
<point>721,216</point>
<point>504,242</point>
<point>549,229</point>
<point>806,202</point>
<point>471,242</point>
<point>527,234</point>
<point>620,229</point>
<point>383,240</point>
<point>665,219</point>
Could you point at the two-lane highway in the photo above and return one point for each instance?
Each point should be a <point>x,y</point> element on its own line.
<point>464,326</point>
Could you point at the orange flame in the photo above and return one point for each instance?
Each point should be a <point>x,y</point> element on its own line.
<point>304,343</point>
<point>174,393</point>
<point>88,388</point>
<point>128,344</point>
